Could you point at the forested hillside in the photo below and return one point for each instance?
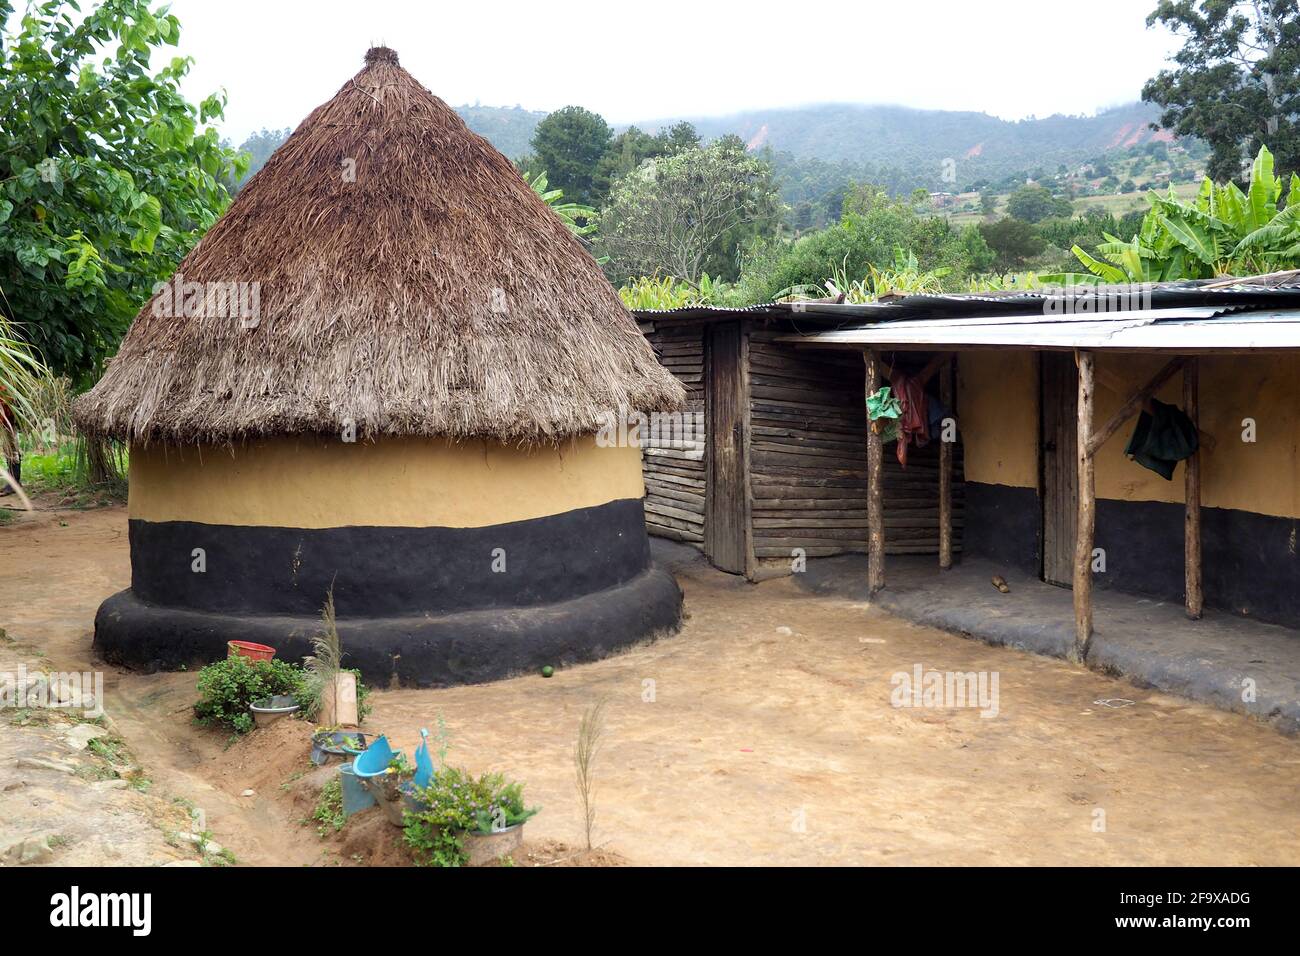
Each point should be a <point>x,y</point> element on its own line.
<point>897,147</point>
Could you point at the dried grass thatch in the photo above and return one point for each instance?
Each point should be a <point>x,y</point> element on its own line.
<point>377,299</point>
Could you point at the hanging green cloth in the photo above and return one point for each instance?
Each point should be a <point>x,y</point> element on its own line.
<point>884,407</point>
<point>1162,439</point>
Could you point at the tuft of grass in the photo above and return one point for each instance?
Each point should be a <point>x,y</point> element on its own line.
<point>591,731</point>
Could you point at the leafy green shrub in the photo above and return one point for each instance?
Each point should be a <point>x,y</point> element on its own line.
<point>458,803</point>
<point>328,813</point>
<point>227,687</point>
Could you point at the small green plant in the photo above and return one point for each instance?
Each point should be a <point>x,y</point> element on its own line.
<point>457,803</point>
<point>329,808</point>
<point>107,748</point>
<point>224,858</point>
<point>443,738</point>
<point>228,687</point>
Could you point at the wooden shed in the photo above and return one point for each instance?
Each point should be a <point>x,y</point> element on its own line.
<point>1051,382</point>
<point>769,465</point>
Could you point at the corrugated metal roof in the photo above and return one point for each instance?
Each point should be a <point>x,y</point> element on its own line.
<point>1183,330</point>
<point>703,311</point>
<point>1269,290</point>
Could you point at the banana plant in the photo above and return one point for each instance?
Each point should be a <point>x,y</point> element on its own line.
<point>649,292</point>
<point>905,278</point>
<point>1223,231</point>
<point>569,212</point>
<point>20,374</point>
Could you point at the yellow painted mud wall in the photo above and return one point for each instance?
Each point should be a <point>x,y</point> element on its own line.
<point>397,482</point>
<point>998,398</point>
<point>997,414</point>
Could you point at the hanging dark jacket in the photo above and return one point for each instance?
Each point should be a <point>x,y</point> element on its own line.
<point>1162,439</point>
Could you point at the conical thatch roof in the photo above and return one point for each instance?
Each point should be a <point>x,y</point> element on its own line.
<point>407,280</point>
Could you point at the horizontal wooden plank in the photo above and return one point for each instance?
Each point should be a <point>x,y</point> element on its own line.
<point>665,511</point>
<point>675,454</point>
<point>673,534</point>
<point>824,551</point>
<point>676,499</point>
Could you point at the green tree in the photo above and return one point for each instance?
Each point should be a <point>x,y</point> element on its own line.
<point>678,137</point>
<point>669,216</point>
<point>628,150</point>
<point>1236,84</point>
<point>259,148</point>
<point>1034,203</point>
<point>569,145</point>
<point>988,203</point>
<point>106,179</point>
<point>1013,241</point>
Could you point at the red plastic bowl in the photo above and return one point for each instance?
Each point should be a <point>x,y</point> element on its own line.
<point>254,652</point>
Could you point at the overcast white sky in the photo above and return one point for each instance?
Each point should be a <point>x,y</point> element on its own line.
<point>278,59</point>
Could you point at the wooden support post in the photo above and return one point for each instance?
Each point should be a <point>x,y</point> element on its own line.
<point>1192,497</point>
<point>1086,525</point>
<point>875,478</point>
<point>945,473</point>
<point>1131,407</point>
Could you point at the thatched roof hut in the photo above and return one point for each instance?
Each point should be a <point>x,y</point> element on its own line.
<point>380,375</point>
<point>407,279</point>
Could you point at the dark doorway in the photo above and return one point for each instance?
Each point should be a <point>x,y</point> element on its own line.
<point>1060,420</point>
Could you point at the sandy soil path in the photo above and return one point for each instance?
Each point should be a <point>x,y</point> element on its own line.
<point>762,734</point>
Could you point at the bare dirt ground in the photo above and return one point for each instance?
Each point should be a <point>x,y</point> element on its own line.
<point>763,733</point>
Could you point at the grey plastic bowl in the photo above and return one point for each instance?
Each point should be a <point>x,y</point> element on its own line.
<point>270,709</point>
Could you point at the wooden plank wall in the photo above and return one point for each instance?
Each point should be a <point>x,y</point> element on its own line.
<point>673,465</point>
<point>808,470</point>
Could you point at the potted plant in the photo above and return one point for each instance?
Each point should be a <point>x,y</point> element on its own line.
<point>270,709</point>
<point>329,742</point>
<point>465,820</point>
<point>392,788</point>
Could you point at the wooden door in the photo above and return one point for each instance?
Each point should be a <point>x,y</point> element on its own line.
<point>724,402</point>
<point>1059,417</point>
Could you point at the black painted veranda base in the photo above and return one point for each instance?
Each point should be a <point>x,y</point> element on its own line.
<point>464,648</point>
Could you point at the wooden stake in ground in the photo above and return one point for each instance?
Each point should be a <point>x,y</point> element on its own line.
<point>1192,497</point>
<point>1086,526</point>
<point>875,469</point>
<point>945,473</point>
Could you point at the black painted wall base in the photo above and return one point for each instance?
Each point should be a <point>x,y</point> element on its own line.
<point>1002,525</point>
<point>1250,562</point>
<point>430,651</point>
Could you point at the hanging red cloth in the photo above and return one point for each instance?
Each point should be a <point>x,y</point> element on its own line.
<point>914,423</point>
